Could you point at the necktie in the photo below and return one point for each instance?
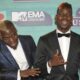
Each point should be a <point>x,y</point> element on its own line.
<point>66,35</point>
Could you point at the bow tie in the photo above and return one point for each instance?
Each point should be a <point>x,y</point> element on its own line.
<point>66,35</point>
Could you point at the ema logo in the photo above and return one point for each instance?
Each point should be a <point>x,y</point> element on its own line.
<point>28,16</point>
<point>76,20</point>
<point>31,18</point>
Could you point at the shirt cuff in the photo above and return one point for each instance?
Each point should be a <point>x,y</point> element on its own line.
<point>18,75</point>
<point>48,68</point>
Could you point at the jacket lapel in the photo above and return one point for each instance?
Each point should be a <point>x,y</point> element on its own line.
<point>73,43</point>
<point>53,42</point>
<point>8,56</point>
<point>25,47</point>
<point>55,46</point>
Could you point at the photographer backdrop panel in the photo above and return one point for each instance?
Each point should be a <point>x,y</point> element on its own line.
<point>36,17</point>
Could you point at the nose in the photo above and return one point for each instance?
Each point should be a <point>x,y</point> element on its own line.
<point>11,39</point>
<point>65,17</point>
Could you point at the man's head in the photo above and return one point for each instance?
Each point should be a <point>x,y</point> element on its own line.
<point>9,33</point>
<point>64,17</point>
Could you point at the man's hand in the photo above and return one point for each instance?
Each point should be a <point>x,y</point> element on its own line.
<point>30,72</point>
<point>56,60</point>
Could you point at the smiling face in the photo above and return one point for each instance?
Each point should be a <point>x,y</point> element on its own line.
<point>64,18</point>
<point>10,38</point>
<point>9,35</point>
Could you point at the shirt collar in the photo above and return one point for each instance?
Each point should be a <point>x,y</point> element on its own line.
<point>58,31</point>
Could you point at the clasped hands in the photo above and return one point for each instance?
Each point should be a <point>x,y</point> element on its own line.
<point>56,60</point>
<point>30,72</point>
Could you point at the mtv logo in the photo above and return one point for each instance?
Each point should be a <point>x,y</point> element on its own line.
<point>32,18</point>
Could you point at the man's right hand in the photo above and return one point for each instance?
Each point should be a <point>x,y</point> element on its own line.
<point>56,60</point>
<point>30,72</point>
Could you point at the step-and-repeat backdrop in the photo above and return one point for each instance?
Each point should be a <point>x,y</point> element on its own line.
<point>36,17</point>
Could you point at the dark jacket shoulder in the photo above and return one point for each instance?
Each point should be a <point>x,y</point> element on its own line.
<point>75,35</point>
<point>48,35</point>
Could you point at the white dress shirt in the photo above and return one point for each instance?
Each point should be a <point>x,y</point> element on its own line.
<point>19,57</point>
<point>64,43</point>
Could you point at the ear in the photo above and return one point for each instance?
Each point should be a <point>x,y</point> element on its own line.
<point>0,36</point>
<point>72,21</point>
<point>56,19</point>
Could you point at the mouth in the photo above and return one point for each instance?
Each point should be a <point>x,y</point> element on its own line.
<point>64,22</point>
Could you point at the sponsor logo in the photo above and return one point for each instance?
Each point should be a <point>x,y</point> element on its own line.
<point>76,20</point>
<point>31,18</point>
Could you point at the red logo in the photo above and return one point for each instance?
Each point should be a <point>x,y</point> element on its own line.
<point>1,16</point>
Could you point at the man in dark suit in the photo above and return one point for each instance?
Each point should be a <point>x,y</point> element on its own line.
<point>58,52</point>
<point>16,54</point>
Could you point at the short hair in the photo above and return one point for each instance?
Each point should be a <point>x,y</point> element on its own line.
<point>9,24</point>
<point>65,5</point>
<point>6,24</point>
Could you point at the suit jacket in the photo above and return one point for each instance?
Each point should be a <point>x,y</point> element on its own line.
<point>8,65</point>
<point>47,46</point>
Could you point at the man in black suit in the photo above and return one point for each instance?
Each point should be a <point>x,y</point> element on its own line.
<point>16,54</point>
<point>58,52</point>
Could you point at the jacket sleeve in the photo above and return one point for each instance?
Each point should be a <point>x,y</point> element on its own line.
<point>31,48</point>
<point>8,74</point>
<point>41,57</point>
